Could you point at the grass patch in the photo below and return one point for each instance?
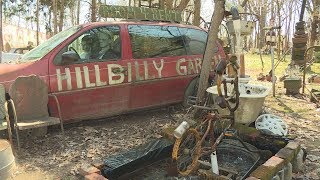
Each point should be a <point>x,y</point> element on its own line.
<point>253,65</point>
<point>292,106</point>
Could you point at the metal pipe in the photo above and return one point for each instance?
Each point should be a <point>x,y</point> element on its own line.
<point>59,113</point>
<point>272,69</point>
<point>15,118</point>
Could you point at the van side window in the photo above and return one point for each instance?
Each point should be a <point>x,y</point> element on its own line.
<point>155,41</point>
<point>195,40</point>
<point>98,44</point>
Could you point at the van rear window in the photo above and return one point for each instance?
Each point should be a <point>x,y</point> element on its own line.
<point>156,41</point>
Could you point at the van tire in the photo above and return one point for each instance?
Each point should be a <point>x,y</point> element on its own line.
<point>191,90</point>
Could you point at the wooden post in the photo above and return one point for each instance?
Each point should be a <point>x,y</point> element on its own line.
<point>242,66</point>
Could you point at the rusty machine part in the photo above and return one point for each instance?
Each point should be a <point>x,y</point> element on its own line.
<point>299,40</point>
<point>186,152</point>
<point>200,141</point>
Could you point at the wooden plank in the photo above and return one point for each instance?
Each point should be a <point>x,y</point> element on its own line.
<point>141,13</point>
<point>46,121</point>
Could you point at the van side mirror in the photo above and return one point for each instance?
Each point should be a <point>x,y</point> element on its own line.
<point>69,57</point>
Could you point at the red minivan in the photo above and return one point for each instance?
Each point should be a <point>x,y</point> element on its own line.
<point>107,68</point>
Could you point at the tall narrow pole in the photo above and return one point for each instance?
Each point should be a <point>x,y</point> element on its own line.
<point>272,64</point>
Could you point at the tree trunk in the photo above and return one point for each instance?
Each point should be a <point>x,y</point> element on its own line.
<point>288,26</point>
<point>55,24</point>
<point>37,21</point>
<point>196,14</point>
<point>315,22</point>
<point>183,4</point>
<point>161,4</point>
<point>61,15</point>
<point>169,4</point>
<point>93,10</point>
<point>262,24</point>
<point>72,6</point>
<point>209,52</point>
<point>78,12</point>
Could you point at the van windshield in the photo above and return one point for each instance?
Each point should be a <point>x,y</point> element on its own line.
<point>48,45</point>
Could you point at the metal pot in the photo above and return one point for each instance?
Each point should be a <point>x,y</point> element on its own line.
<point>7,162</point>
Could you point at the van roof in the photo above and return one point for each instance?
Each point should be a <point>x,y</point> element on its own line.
<point>139,22</point>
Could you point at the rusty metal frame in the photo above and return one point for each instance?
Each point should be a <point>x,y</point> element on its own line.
<point>59,112</point>
<point>15,120</point>
<point>9,125</point>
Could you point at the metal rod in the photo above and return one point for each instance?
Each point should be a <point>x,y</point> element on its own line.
<point>272,69</point>
<point>15,118</point>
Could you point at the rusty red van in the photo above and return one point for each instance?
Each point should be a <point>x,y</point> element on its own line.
<point>108,68</point>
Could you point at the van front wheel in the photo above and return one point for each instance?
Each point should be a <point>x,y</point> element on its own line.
<point>191,90</point>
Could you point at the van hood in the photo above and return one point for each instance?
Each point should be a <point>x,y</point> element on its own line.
<point>10,72</point>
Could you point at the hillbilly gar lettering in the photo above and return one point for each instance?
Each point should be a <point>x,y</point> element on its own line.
<point>117,74</point>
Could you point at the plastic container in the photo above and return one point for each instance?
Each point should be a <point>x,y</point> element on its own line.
<point>214,163</point>
<point>181,129</point>
<point>250,103</point>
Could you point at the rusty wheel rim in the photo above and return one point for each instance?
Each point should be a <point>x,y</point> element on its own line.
<point>186,152</point>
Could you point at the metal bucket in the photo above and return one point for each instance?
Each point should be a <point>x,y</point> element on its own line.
<point>7,162</point>
<point>233,156</point>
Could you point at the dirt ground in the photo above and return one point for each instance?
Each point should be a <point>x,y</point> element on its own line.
<point>48,158</point>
